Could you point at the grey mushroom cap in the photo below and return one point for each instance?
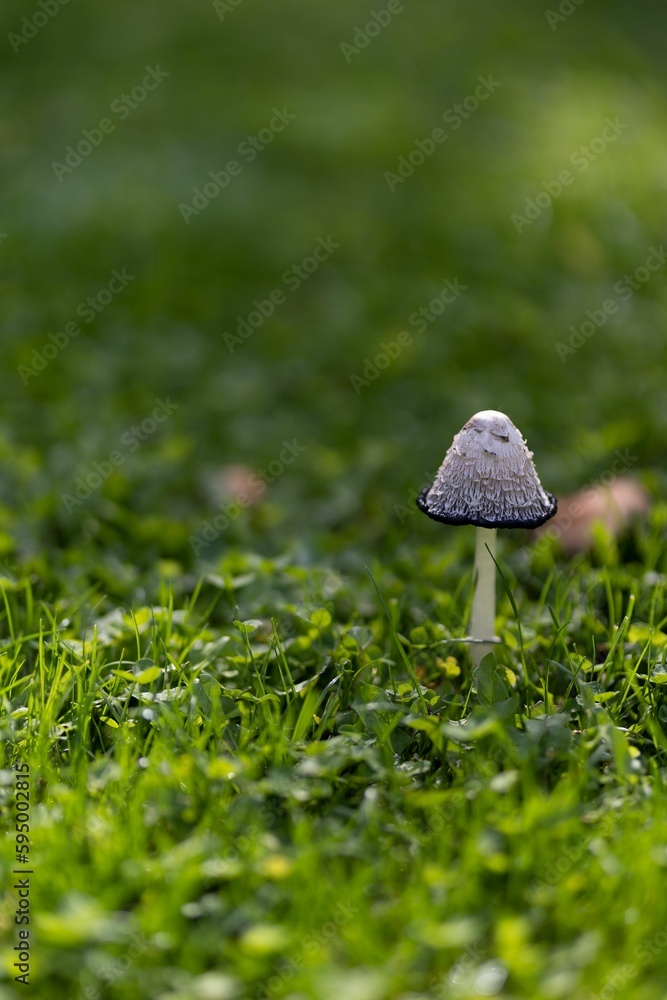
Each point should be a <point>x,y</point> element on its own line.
<point>488,479</point>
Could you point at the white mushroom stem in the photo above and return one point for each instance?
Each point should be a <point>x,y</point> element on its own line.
<point>483,617</point>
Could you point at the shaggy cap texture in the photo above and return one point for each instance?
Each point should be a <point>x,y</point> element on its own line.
<point>488,479</point>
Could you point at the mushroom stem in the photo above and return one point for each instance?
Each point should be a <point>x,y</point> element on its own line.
<point>483,617</point>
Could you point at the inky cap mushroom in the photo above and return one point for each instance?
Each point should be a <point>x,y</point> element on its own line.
<point>488,479</point>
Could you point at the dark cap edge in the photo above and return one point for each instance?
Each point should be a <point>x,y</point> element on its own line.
<point>482,522</point>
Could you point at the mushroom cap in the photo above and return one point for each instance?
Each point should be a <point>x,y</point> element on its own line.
<point>488,479</point>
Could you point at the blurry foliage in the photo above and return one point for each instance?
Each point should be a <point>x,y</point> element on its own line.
<point>163,336</point>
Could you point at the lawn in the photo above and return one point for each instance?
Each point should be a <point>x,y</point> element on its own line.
<point>260,263</point>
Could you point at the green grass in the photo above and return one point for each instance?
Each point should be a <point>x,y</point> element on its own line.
<point>245,791</point>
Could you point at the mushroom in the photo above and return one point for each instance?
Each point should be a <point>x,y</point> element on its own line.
<point>487,479</point>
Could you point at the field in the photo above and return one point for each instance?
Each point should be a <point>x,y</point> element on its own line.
<point>260,263</point>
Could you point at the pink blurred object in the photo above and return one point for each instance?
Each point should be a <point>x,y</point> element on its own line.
<point>613,505</point>
<point>232,481</point>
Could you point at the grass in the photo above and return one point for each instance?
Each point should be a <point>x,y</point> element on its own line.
<point>284,782</point>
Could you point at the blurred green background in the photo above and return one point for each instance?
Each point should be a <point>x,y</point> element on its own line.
<point>322,176</point>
